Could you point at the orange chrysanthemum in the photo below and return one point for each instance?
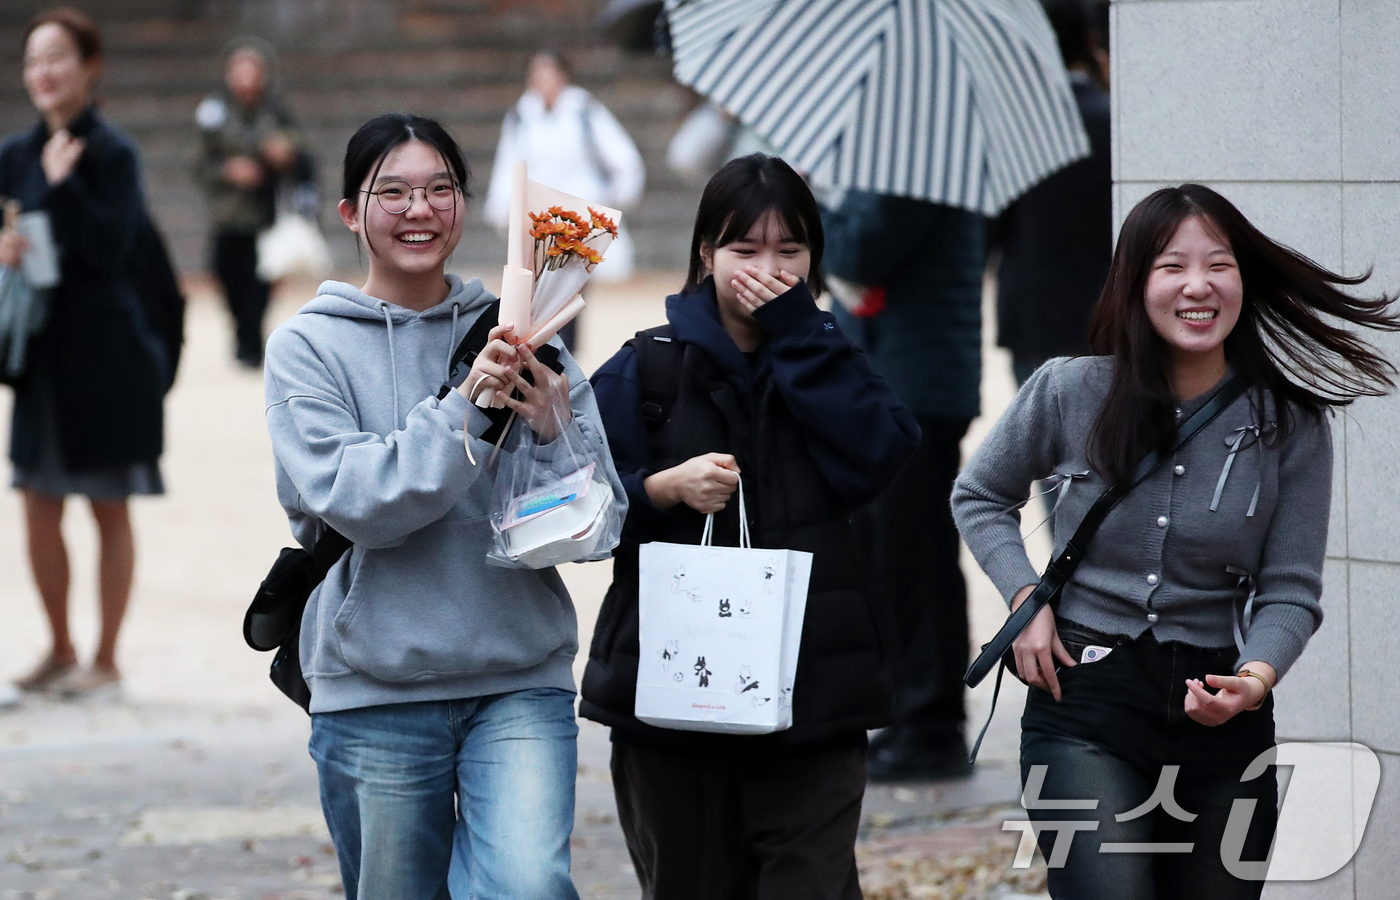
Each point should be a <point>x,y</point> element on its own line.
<point>601,222</point>
<point>562,234</point>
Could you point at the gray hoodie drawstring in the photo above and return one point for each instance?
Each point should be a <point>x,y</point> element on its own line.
<point>393,364</point>
<point>452,343</point>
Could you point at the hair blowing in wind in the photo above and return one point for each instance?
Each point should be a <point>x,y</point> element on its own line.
<point>1292,338</point>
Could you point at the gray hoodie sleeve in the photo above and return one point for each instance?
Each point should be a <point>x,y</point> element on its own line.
<point>378,489</point>
<point>374,489</point>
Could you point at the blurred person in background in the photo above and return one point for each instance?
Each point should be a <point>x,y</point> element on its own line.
<point>248,141</point>
<point>1056,240</point>
<point>88,408</point>
<point>572,143</point>
<point>1054,243</point>
<point>912,277</point>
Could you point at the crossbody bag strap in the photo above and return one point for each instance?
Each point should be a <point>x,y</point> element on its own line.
<point>467,349</point>
<point>327,551</point>
<point>1058,573</point>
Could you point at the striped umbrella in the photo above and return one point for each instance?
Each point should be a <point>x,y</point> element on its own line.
<point>960,102</point>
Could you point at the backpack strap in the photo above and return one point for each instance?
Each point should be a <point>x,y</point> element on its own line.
<point>659,357</point>
<point>468,348</point>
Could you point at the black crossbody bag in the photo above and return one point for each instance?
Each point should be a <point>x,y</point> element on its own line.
<point>273,619</point>
<point>997,653</point>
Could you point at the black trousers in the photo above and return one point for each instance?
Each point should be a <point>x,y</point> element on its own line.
<point>1119,726</point>
<point>911,545</point>
<point>777,826</point>
<point>236,267</point>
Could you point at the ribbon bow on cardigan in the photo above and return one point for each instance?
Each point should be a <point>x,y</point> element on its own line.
<point>1235,444</point>
<point>1242,621</point>
<point>1059,483</point>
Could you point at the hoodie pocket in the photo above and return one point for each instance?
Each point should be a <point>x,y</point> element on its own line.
<point>432,608</point>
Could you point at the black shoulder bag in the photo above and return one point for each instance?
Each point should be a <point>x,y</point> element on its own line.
<point>1057,573</point>
<point>273,620</point>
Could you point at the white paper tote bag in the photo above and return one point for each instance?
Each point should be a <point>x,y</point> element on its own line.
<point>720,630</point>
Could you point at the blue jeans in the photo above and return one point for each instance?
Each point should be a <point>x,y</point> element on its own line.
<point>1120,721</point>
<point>392,778</point>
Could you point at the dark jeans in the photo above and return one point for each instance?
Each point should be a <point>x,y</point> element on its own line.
<point>911,545</point>
<point>1120,721</point>
<point>774,826</point>
<point>236,267</point>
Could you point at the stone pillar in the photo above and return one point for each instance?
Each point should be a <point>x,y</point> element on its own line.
<point>1289,108</point>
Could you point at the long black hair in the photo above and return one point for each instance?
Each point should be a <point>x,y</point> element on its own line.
<point>1283,342</point>
<point>743,191</point>
<point>368,147</point>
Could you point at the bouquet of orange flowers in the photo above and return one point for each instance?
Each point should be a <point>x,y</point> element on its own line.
<point>566,249</point>
<point>550,255</point>
<point>562,236</point>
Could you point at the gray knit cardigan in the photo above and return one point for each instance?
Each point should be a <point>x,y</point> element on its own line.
<point>1237,511</point>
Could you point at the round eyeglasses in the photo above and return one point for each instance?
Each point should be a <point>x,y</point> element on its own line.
<point>395,197</point>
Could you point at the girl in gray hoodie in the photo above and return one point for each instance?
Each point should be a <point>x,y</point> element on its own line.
<point>433,675</point>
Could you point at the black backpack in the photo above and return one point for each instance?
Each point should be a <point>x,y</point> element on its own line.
<point>659,359</point>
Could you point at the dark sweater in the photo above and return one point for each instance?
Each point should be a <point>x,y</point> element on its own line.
<point>929,259</point>
<point>107,368</point>
<point>1056,242</point>
<point>1162,552</point>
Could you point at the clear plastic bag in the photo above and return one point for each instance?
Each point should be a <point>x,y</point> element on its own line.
<point>552,502</point>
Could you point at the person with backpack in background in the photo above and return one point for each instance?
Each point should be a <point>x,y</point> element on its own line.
<point>248,142</point>
<point>572,143</point>
<point>750,380</point>
<point>88,415</point>
<point>442,688</point>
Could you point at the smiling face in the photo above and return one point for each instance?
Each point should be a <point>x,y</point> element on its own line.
<point>418,241</point>
<point>1194,292</point>
<point>55,75</point>
<point>769,246</point>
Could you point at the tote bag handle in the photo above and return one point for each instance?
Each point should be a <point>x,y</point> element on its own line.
<point>707,538</point>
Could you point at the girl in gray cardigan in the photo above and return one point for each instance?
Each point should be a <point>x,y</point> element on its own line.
<point>1201,587</point>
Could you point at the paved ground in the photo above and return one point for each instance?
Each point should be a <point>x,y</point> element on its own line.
<point>198,784</point>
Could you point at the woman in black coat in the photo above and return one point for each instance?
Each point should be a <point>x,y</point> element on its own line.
<point>87,412</point>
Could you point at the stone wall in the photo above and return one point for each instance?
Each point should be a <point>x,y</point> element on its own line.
<point>1289,108</point>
